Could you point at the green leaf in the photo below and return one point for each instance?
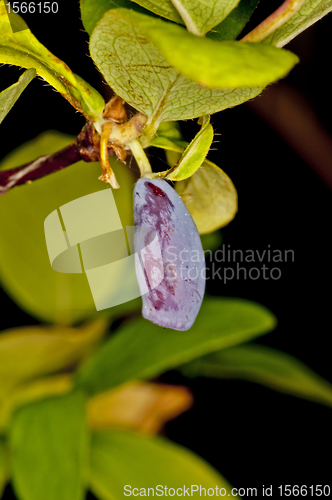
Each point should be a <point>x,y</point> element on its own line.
<point>210,197</point>
<point>265,366</point>
<point>142,350</point>
<point>121,458</point>
<point>28,353</point>
<point>25,270</point>
<point>163,8</point>
<point>9,96</point>
<point>234,23</point>
<point>194,155</point>
<point>200,16</point>
<point>23,49</point>
<point>309,13</point>
<point>137,71</point>
<point>48,444</point>
<point>211,63</point>
<point>3,467</point>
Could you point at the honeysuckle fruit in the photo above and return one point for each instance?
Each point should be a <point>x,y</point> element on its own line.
<point>172,255</point>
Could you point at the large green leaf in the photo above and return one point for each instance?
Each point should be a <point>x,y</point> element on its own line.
<point>122,458</point>
<point>201,16</point>
<point>9,96</point>
<point>194,155</point>
<point>309,13</point>
<point>48,443</point>
<point>142,350</point>
<point>122,47</point>
<point>265,366</point>
<point>28,353</point>
<point>210,197</point>
<point>210,63</point>
<point>234,23</point>
<point>3,466</point>
<point>23,49</point>
<point>25,270</point>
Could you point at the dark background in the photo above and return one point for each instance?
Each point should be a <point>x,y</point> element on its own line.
<point>252,435</point>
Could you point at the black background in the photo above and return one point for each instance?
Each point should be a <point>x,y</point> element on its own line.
<point>252,435</point>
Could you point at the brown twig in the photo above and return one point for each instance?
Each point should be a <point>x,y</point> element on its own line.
<point>86,147</point>
<point>44,165</point>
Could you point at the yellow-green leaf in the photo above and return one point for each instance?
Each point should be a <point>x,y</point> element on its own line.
<point>210,63</point>
<point>9,96</point>
<point>210,197</point>
<point>32,391</point>
<point>32,352</point>
<point>48,443</point>
<point>120,458</point>
<point>265,366</point>
<point>194,155</point>
<point>23,49</point>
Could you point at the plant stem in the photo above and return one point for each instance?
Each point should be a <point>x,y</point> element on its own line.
<point>86,148</point>
<point>44,165</point>
<point>140,157</point>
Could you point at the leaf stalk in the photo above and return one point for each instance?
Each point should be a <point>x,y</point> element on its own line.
<point>140,157</point>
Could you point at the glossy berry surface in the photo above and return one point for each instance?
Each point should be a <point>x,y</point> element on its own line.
<point>171,254</point>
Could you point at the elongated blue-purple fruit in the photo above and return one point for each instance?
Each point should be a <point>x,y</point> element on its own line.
<point>174,270</point>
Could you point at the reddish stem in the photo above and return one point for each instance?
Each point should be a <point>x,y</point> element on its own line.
<point>44,165</point>
<point>86,147</point>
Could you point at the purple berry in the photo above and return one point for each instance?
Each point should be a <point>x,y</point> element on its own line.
<point>174,269</point>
